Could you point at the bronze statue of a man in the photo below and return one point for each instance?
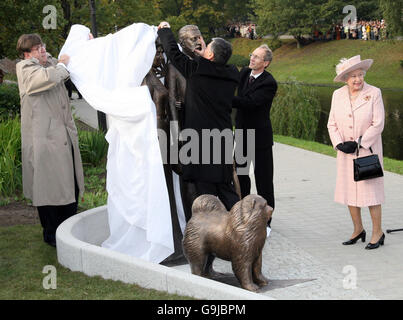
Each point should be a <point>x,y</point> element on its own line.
<point>160,97</point>
<point>189,38</point>
<point>169,108</point>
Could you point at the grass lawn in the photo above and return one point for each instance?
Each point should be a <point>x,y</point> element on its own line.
<point>23,256</point>
<point>315,63</point>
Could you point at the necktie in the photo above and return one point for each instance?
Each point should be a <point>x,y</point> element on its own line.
<point>251,79</point>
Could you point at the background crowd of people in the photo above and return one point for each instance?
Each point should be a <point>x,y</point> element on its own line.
<point>242,30</point>
<point>362,30</point>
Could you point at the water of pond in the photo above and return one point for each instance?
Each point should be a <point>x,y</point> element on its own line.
<point>392,135</point>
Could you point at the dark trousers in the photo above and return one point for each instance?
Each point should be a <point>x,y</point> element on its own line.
<point>52,216</point>
<point>263,169</point>
<point>224,191</point>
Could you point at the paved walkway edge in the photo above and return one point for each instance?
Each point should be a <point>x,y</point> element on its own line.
<point>78,249</point>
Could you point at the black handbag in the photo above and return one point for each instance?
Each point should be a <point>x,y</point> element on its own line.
<point>367,167</point>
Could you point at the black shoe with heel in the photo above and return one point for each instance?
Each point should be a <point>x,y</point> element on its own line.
<point>381,241</point>
<point>354,240</point>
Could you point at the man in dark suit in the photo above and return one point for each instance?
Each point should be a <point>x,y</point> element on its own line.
<point>256,91</point>
<point>210,87</point>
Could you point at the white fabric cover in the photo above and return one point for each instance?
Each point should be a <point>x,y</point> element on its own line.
<point>108,72</point>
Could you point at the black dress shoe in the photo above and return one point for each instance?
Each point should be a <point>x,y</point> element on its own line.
<point>51,243</point>
<point>376,245</point>
<point>354,240</point>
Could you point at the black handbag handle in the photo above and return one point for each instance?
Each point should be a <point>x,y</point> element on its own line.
<point>359,144</point>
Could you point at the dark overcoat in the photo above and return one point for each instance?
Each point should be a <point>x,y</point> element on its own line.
<point>253,104</point>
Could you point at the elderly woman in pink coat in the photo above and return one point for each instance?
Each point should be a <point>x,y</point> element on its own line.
<point>357,111</point>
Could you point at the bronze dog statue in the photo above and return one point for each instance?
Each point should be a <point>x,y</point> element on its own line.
<point>237,236</point>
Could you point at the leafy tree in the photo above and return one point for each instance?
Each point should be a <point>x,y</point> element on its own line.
<point>26,16</point>
<point>392,12</point>
<point>211,16</point>
<point>293,16</point>
<point>300,17</point>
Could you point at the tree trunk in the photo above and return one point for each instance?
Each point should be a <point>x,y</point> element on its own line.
<point>67,15</point>
<point>300,41</point>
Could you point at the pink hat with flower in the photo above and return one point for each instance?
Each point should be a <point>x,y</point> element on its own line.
<point>347,65</point>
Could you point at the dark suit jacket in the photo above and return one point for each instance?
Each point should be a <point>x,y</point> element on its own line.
<point>253,104</point>
<point>210,88</point>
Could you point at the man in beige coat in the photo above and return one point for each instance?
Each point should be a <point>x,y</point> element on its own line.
<point>51,162</point>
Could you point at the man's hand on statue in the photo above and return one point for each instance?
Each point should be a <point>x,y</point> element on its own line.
<point>203,48</point>
<point>64,58</point>
<point>164,24</point>
<point>90,36</point>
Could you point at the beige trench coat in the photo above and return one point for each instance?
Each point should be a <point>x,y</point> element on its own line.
<point>366,118</point>
<point>48,135</point>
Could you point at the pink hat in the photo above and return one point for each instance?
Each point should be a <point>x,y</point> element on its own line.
<point>347,65</point>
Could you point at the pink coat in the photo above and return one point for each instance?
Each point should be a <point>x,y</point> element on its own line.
<point>346,123</point>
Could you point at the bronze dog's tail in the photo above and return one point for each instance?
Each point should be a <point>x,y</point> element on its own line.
<point>207,203</point>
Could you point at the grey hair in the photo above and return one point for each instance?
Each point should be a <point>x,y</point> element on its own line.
<point>222,50</point>
<point>347,75</point>
<point>268,56</point>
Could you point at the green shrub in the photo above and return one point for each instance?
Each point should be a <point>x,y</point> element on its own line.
<point>295,111</point>
<point>401,63</point>
<point>238,60</point>
<point>93,147</point>
<point>275,44</point>
<point>10,158</point>
<point>9,100</point>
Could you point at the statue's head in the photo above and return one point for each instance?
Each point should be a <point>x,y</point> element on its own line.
<point>159,55</point>
<point>190,39</point>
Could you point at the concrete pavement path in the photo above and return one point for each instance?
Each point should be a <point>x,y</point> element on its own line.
<point>83,111</point>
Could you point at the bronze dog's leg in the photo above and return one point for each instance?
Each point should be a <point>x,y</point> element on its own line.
<point>197,265</point>
<point>243,272</point>
<point>208,269</point>
<point>257,275</point>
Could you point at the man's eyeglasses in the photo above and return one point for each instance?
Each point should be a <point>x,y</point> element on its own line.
<point>39,47</point>
<point>255,57</point>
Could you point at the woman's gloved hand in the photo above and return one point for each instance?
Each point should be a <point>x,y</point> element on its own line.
<point>347,147</point>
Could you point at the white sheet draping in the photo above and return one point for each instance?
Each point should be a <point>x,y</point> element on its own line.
<point>108,72</point>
